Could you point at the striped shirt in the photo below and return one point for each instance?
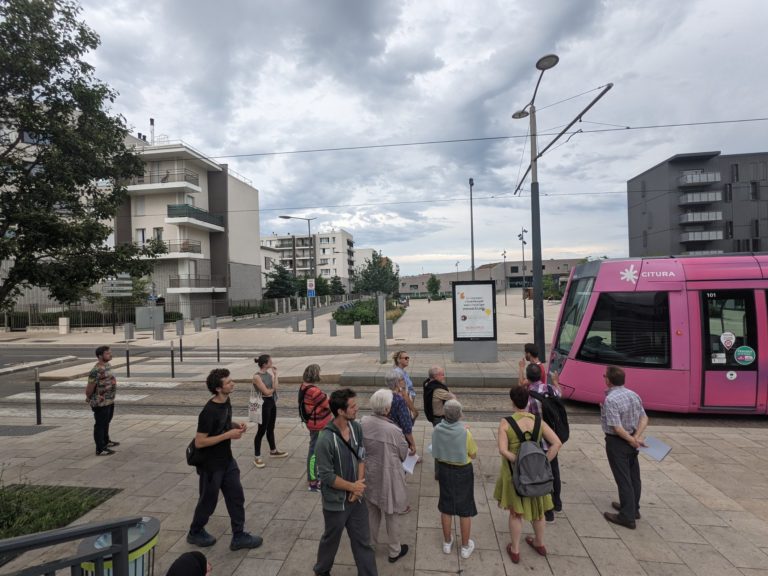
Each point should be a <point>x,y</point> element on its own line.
<point>622,407</point>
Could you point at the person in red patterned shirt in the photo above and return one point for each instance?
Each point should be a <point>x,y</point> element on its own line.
<point>318,410</point>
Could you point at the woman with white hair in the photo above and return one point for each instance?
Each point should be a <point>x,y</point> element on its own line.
<point>454,449</point>
<point>385,492</point>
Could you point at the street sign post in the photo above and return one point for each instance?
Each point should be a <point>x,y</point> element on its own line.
<point>310,288</point>
<point>119,287</point>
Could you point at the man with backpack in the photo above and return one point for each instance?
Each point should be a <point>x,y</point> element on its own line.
<point>545,401</point>
<point>436,394</point>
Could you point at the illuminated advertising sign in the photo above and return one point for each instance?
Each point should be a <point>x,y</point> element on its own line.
<point>474,310</point>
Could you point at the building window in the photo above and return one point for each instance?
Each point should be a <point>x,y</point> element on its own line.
<point>728,193</point>
<point>324,240</point>
<point>754,191</point>
<point>729,229</point>
<point>138,204</point>
<point>157,233</point>
<point>414,286</point>
<point>514,269</point>
<point>642,189</point>
<point>141,235</point>
<point>755,244</point>
<point>645,238</point>
<point>755,228</point>
<point>734,172</point>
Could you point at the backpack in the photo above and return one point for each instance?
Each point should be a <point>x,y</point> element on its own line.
<point>430,386</point>
<point>532,472</point>
<point>553,412</point>
<point>303,414</point>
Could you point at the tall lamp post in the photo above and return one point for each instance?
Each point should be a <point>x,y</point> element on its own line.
<point>472,225</point>
<point>311,259</point>
<point>521,237</point>
<point>504,255</point>
<point>457,270</point>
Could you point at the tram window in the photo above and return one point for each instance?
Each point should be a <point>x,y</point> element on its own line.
<point>729,330</point>
<point>629,329</point>
<point>573,312</point>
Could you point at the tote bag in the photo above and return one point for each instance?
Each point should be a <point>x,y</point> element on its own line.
<point>254,406</point>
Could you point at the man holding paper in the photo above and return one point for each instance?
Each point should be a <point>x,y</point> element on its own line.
<point>624,421</point>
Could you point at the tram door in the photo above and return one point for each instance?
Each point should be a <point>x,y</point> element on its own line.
<point>729,328</point>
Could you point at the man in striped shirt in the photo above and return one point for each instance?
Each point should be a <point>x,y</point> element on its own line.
<point>623,420</point>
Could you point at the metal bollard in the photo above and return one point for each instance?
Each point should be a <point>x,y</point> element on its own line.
<point>310,326</point>
<point>213,322</point>
<point>425,329</point>
<point>218,348</point>
<point>333,327</point>
<point>390,329</point>
<point>295,322</point>
<point>179,327</point>
<point>128,331</point>
<point>38,405</point>
<point>160,332</point>
<point>358,330</point>
<point>198,324</point>
<point>173,365</point>
<point>127,363</point>
<point>181,350</point>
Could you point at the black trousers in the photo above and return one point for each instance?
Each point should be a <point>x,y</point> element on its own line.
<point>626,472</point>
<point>102,416</point>
<point>556,485</point>
<point>226,480</point>
<point>267,426</point>
<point>355,519</point>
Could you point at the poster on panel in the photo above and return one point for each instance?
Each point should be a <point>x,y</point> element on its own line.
<point>474,310</point>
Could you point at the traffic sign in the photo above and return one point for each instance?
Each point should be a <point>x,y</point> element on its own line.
<point>311,293</point>
<point>311,284</point>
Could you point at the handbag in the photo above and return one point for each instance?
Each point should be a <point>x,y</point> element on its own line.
<point>254,406</point>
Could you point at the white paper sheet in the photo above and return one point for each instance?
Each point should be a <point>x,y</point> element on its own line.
<point>655,448</point>
<point>409,464</point>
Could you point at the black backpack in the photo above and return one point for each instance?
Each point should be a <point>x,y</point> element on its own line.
<point>430,386</point>
<point>554,413</point>
<point>531,472</point>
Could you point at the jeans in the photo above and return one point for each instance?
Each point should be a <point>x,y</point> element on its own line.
<point>311,463</point>
<point>228,481</point>
<point>102,416</point>
<point>267,426</point>
<point>626,472</point>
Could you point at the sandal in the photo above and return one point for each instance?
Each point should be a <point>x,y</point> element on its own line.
<point>514,556</point>
<point>542,550</point>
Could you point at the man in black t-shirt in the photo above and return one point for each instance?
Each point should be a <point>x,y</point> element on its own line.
<point>219,471</point>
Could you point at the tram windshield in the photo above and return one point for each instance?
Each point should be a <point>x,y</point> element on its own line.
<point>573,313</point>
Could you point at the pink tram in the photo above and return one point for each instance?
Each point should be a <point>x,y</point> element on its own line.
<point>686,330</point>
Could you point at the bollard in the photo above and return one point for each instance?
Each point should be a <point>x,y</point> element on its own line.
<point>390,329</point>
<point>160,332</point>
<point>218,348</point>
<point>382,328</point>
<point>213,322</point>
<point>128,330</point>
<point>179,327</point>
<point>127,363</point>
<point>173,366</point>
<point>38,406</point>
<point>198,323</point>
<point>310,326</point>
<point>181,350</point>
<point>333,327</point>
<point>295,322</point>
<point>358,331</point>
<point>425,329</point>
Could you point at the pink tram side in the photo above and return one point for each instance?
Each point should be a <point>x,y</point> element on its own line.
<point>688,332</point>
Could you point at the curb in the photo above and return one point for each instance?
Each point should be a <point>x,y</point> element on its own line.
<point>39,364</point>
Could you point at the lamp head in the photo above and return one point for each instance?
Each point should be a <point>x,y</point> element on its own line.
<point>286,217</point>
<point>547,62</point>
<point>471,181</point>
<point>520,114</point>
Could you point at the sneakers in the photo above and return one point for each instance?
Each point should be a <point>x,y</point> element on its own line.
<point>245,540</point>
<point>112,444</point>
<point>258,462</point>
<point>314,486</point>
<point>202,539</point>
<point>105,452</point>
<point>466,551</point>
<point>549,516</point>
<point>278,454</point>
<point>447,547</point>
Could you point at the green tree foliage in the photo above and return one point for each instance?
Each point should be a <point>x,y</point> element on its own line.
<point>280,283</point>
<point>337,288</point>
<point>433,286</point>
<point>63,156</point>
<point>378,275</point>
<point>322,286</point>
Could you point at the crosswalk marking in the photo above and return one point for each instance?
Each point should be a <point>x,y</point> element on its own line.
<point>71,397</point>
<point>121,384</point>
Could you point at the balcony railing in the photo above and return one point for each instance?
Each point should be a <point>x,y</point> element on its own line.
<point>698,178</point>
<point>196,281</point>
<point>700,198</point>
<point>176,246</point>
<point>187,211</point>
<point>701,236</point>
<point>167,176</point>
<point>696,217</point>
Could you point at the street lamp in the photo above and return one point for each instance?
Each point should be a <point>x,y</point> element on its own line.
<point>544,63</point>
<point>504,255</point>
<point>311,259</point>
<point>457,270</point>
<point>521,237</point>
<point>472,225</point>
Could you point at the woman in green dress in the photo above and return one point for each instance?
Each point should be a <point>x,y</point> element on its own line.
<point>532,509</point>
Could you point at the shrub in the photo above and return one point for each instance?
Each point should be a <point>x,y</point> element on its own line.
<point>171,316</point>
<point>366,312</point>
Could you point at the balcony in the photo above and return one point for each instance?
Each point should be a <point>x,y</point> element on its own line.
<point>186,215</point>
<point>176,249</point>
<point>196,284</point>
<point>162,182</point>
<point>698,179</point>
<point>701,217</point>
<point>701,236</point>
<point>700,198</point>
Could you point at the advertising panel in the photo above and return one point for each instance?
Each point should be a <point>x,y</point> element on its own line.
<point>474,310</point>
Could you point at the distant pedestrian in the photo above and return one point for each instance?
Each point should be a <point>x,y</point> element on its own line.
<point>454,449</point>
<point>265,381</point>
<point>385,494</point>
<point>190,564</point>
<point>531,356</point>
<point>100,394</point>
<point>340,456</point>
<point>624,421</point>
<point>219,471</point>
<point>317,411</point>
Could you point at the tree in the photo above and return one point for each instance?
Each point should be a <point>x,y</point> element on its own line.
<point>378,275</point>
<point>322,287</point>
<point>63,156</point>
<point>280,283</point>
<point>433,286</point>
<point>337,288</point>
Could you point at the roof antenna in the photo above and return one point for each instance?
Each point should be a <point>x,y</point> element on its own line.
<point>152,131</point>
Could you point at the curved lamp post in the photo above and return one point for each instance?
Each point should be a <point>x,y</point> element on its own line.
<point>311,259</point>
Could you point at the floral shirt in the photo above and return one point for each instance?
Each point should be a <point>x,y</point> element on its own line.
<point>104,383</point>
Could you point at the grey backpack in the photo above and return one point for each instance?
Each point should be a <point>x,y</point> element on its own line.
<point>532,472</point>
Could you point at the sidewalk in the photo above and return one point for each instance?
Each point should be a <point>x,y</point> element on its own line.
<point>704,508</point>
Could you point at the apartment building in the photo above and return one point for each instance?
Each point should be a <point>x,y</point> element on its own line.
<point>333,252</point>
<point>207,216</point>
<point>699,203</point>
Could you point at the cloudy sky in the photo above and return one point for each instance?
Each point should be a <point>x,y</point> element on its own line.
<point>239,79</point>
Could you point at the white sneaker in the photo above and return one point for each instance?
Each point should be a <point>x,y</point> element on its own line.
<point>466,551</point>
<point>447,547</point>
